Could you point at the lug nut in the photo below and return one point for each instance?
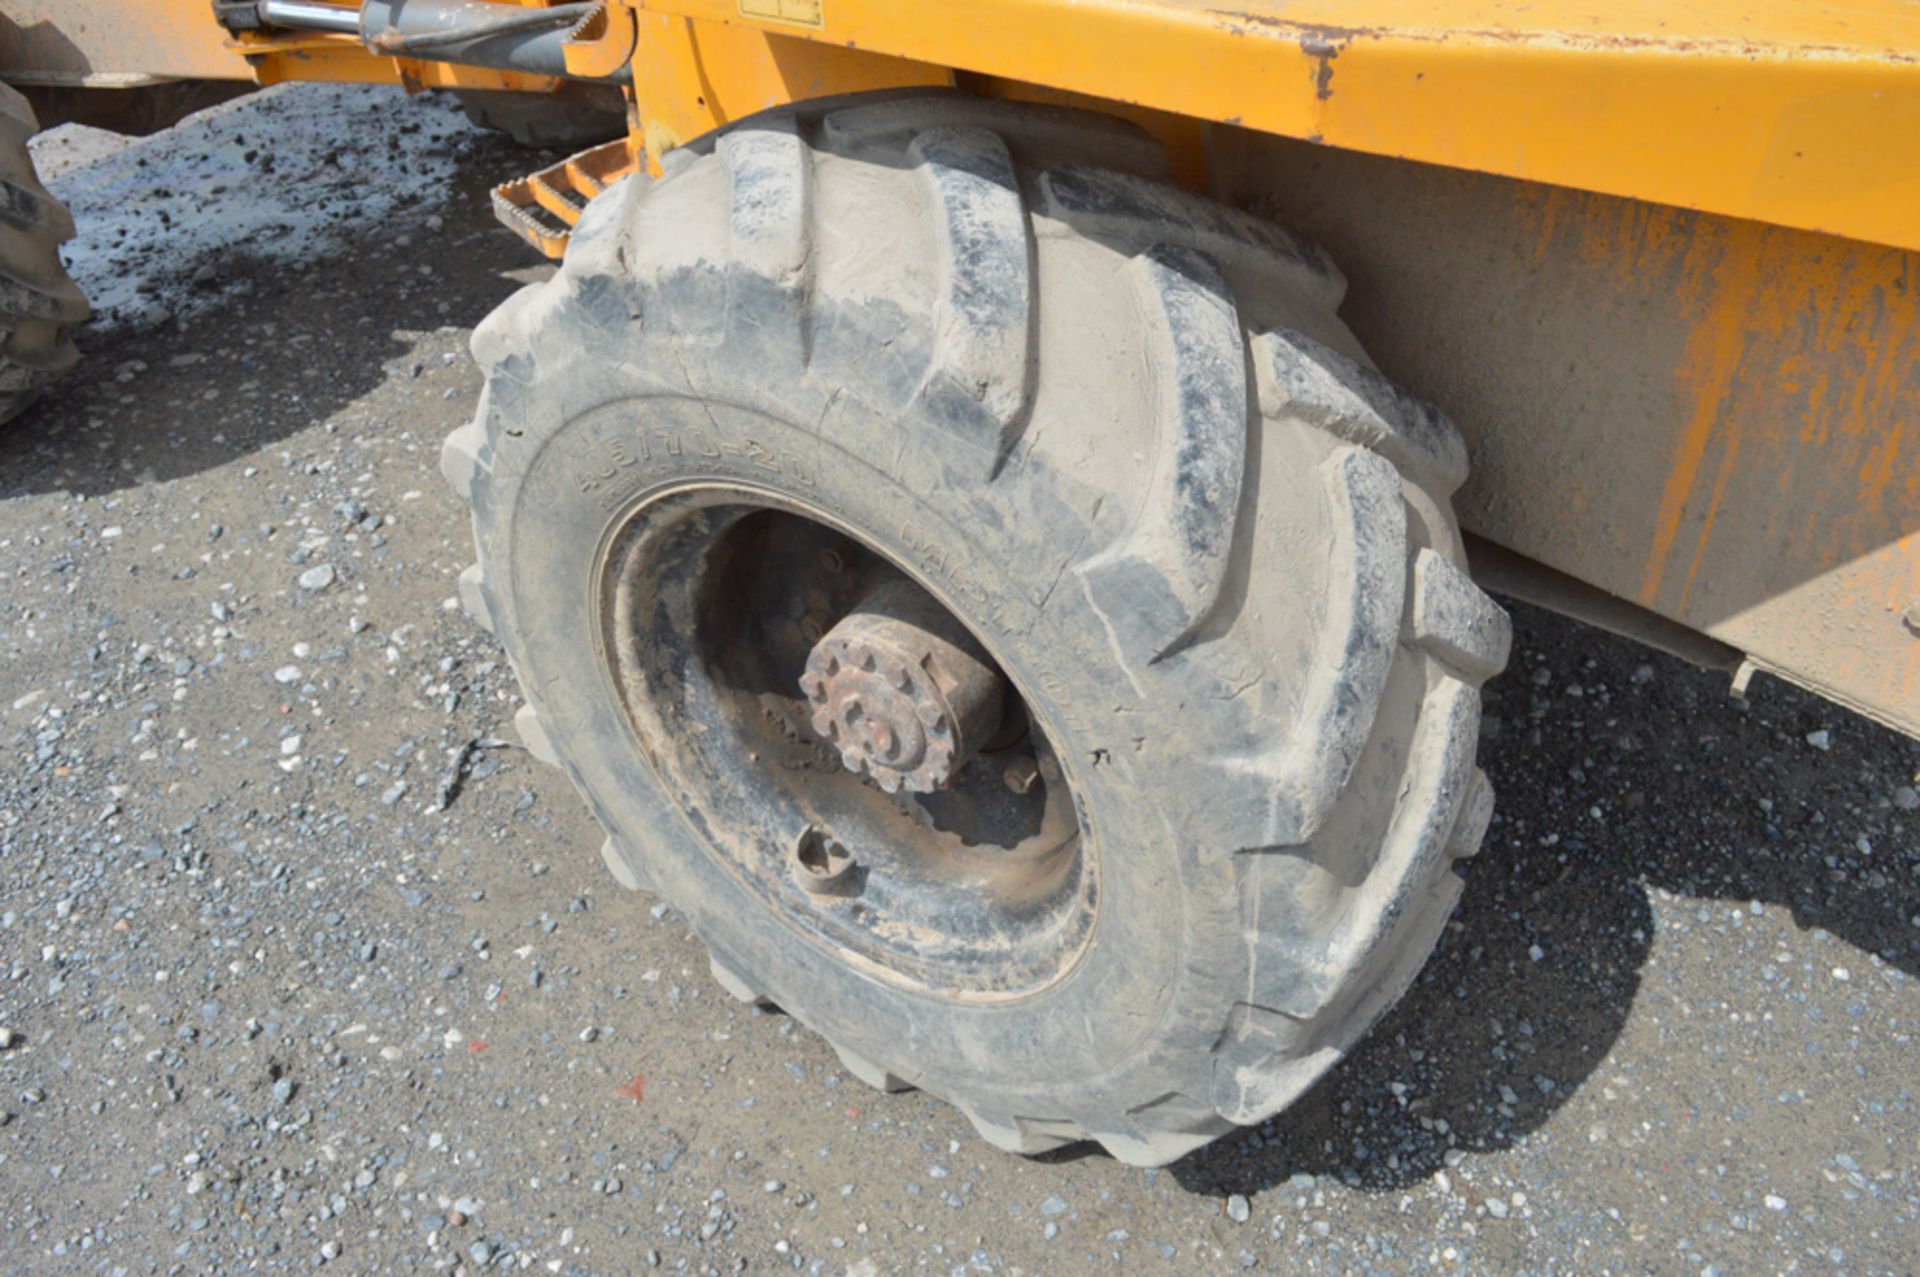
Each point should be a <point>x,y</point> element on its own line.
<point>1021,775</point>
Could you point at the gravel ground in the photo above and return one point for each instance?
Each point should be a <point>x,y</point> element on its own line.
<point>264,1004</point>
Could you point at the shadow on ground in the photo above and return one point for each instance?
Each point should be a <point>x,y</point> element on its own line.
<point>221,384</point>
<point>1485,1013</point>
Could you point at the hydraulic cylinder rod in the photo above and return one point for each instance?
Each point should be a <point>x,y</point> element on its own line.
<point>509,37</point>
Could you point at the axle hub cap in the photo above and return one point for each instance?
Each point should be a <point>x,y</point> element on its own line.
<point>901,690</point>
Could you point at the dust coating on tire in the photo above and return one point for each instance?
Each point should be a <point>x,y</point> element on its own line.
<point>1120,430</point>
<point>39,304</point>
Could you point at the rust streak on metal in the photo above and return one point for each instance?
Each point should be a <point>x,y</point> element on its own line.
<point>1323,52</point>
<point>1239,21</point>
<point>1706,375</point>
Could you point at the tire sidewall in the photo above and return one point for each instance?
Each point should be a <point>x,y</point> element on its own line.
<point>1062,1048</point>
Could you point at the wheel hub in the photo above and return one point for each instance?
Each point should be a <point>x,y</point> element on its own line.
<point>902,690</point>
<point>741,630</point>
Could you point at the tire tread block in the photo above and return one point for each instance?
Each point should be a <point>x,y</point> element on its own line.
<point>978,381</point>
<point>1087,136</point>
<point>20,300</point>
<point>27,207</point>
<point>1453,618</point>
<point>1026,1136</point>
<point>460,457</point>
<point>1286,792</point>
<point>526,725</point>
<point>1160,582</point>
<point>624,867</point>
<point>1310,382</point>
<point>874,1075</point>
<point>770,186</point>
<point>1302,983</point>
<point>730,979</point>
<point>1476,814</point>
<point>473,598</point>
<point>1140,213</point>
<point>1305,990</point>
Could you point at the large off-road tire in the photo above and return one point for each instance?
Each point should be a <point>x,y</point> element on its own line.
<point>38,303</point>
<point>570,118</point>
<point>1114,428</point>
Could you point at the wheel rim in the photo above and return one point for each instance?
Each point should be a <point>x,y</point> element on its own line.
<point>844,746</point>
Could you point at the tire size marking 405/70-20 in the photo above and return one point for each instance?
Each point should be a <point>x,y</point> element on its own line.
<point>937,560</point>
<point>614,465</point>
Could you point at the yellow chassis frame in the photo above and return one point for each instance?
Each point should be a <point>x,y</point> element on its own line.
<point>1797,114</point>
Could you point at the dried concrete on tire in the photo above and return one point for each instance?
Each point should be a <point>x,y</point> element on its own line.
<point>266,1009</point>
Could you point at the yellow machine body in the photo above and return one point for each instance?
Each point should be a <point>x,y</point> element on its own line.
<point>1660,259</point>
